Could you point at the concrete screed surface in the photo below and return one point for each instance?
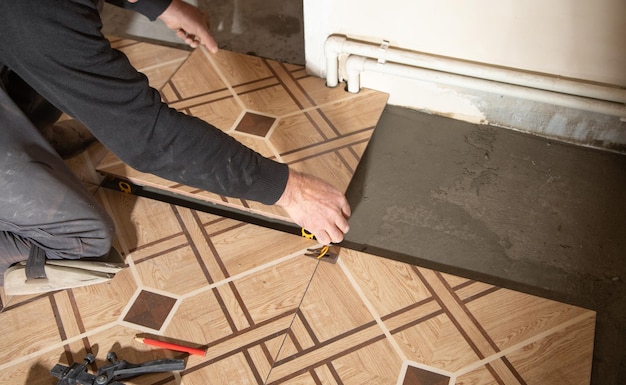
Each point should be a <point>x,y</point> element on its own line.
<point>503,207</point>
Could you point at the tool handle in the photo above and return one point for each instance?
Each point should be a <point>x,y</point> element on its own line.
<point>171,346</point>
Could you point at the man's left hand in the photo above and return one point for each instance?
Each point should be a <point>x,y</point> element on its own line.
<point>190,23</point>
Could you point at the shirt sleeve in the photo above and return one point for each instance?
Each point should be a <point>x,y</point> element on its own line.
<point>59,50</point>
<point>149,8</point>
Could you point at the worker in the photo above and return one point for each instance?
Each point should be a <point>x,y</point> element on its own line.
<point>53,58</point>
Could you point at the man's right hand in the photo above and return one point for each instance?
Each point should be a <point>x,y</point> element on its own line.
<point>316,206</point>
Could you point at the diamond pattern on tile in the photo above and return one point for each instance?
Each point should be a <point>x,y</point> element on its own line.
<point>255,124</point>
<point>273,316</point>
<point>417,376</point>
<point>287,116</point>
<point>150,310</point>
<point>266,313</point>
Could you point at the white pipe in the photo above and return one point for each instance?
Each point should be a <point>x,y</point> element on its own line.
<point>338,45</point>
<point>356,64</point>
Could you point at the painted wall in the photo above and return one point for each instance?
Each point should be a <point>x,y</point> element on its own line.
<point>572,38</point>
<point>577,39</point>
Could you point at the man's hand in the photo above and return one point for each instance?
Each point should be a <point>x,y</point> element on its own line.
<point>316,206</point>
<point>190,24</point>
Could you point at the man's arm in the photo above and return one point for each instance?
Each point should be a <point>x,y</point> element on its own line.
<point>61,53</point>
<point>310,202</point>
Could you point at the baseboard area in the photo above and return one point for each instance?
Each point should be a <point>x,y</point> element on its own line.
<point>553,122</point>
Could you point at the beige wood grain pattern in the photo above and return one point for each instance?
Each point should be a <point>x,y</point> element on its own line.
<point>201,319</point>
<point>231,370</point>
<point>363,111</point>
<point>293,133</point>
<point>27,331</point>
<point>318,356</point>
<point>146,55</point>
<point>22,373</point>
<point>510,317</point>
<point>330,315</point>
<point>323,132</point>
<point>559,357</point>
<point>301,334</point>
<point>272,101</point>
<point>101,304</point>
<point>472,330</point>
<point>290,346</point>
<point>388,285</point>
<point>142,221</point>
<point>177,271</point>
<point>70,325</point>
<point>198,234</point>
<point>237,310</point>
<point>325,375</point>
<point>250,337</point>
<point>248,246</point>
<point>438,343</point>
<point>238,69</point>
<point>282,285</point>
<point>411,315</point>
<point>469,290</point>
<point>335,335</point>
<point>480,376</point>
<point>157,62</point>
<point>196,76</point>
<point>223,113</point>
<point>374,364</point>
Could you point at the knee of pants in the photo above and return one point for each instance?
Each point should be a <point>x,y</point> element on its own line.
<point>99,243</point>
<point>84,238</point>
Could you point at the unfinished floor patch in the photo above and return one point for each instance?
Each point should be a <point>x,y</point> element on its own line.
<point>275,109</point>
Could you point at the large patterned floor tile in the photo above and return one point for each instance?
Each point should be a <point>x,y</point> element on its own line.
<point>273,108</point>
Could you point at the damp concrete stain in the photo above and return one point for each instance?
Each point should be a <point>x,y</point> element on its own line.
<point>281,24</point>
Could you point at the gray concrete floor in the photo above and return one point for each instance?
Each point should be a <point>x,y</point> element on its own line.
<point>502,207</point>
<point>487,203</point>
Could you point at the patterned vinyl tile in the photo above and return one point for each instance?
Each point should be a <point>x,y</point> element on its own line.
<point>264,311</point>
<point>268,314</point>
<point>275,109</point>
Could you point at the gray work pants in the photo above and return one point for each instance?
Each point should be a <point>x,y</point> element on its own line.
<point>41,200</point>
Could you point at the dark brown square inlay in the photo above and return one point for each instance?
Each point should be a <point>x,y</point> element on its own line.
<point>417,376</point>
<point>255,124</point>
<point>150,310</point>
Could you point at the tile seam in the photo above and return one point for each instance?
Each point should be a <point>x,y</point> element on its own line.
<point>244,274</point>
<point>219,72</point>
<point>521,344</point>
<point>56,345</point>
<point>290,327</point>
<point>372,310</point>
<point>164,64</point>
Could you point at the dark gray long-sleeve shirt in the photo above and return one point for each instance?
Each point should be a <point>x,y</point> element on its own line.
<point>58,48</point>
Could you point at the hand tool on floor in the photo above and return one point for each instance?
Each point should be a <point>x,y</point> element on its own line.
<point>110,374</point>
<point>325,253</point>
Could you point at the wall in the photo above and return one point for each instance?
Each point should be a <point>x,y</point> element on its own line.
<point>577,39</point>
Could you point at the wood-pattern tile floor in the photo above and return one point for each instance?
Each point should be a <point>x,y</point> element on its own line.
<point>275,109</point>
<point>268,314</point>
